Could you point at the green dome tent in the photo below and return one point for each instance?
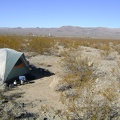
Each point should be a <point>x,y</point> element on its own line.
<point>12,64</point>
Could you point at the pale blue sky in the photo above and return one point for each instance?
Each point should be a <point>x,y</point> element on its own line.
<point>57,13</point>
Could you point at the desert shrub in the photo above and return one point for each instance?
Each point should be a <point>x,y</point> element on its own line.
<point>79,72</point>
<point>117,48</point>
<point>77,67</point>
<point>40,44</point>
<point>107,55</point>
<point>11,41</point>
<point>105,47</point>
<point>102,44</point>
<point>116,71</point>
<point>81,103</point>
<point>79,90</point>
<point>79,76</point>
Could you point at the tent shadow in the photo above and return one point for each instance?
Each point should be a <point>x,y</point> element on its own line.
<point>37,73</point>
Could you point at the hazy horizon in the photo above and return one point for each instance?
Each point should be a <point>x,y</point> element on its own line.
<point>61,27</point>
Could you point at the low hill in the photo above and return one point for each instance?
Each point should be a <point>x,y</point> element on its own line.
<point>66,31</point>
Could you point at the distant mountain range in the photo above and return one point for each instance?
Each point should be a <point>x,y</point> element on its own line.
<point>66,31</point>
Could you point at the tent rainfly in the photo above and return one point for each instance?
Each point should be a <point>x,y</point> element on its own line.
<point>12,64</point>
